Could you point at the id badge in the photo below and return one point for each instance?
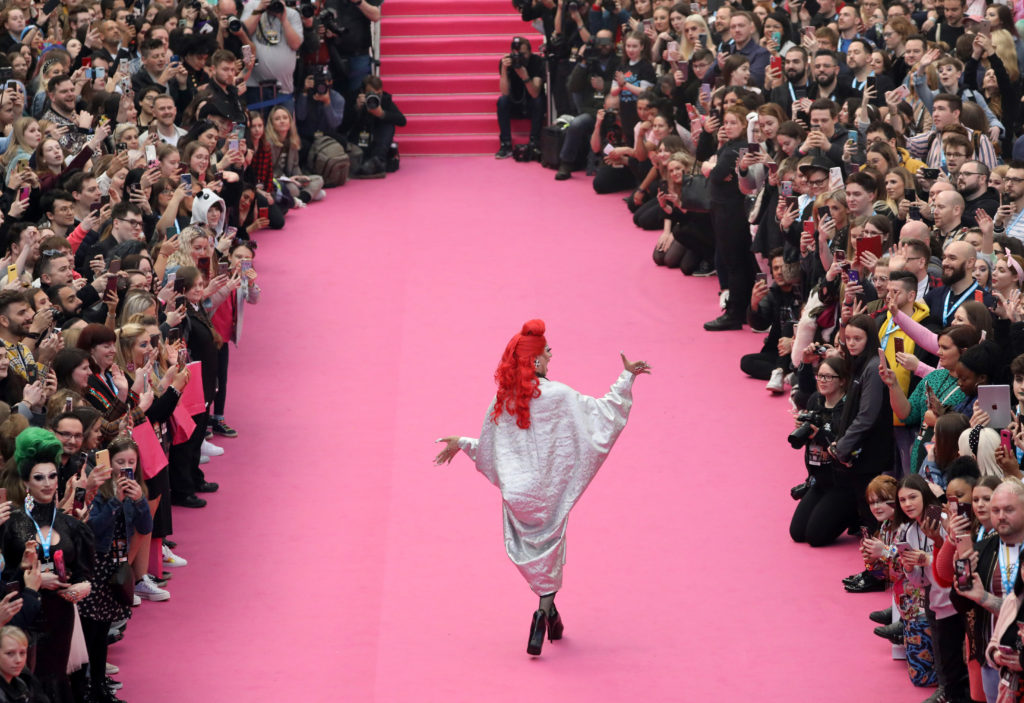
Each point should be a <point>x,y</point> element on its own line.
<point>364,140</point>
<point>45,566</point>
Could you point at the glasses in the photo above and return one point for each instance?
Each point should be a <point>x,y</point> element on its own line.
<point>825,377</point>
<point>969,173</point>
<point>70,435</point>
<point>1011,179</point>
<point>818,181</point>
<point>132,223</point>
<point>888,34</point>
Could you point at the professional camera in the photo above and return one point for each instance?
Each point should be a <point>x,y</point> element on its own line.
<point>276,8</point>
<point>307,10</point>
<point>520,5</point>
<point>608,6</point>
<point>801,436</point>
<point>234,25</point>
<point>195,5</point>
<point>514,56</point>
<point>372,101</point>
<point>321,76</point>
<point>329,21</point>
<point>572,6</point>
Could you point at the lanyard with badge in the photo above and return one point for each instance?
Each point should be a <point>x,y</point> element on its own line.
<point>947,311</point>
<point>44,543</point>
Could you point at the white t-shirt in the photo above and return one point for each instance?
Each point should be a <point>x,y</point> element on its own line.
<point>275,61</point>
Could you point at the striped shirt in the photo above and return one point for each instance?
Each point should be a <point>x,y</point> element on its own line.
<point>919,148</point>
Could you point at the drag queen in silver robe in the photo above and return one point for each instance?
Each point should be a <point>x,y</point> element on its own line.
<point>541,444</point>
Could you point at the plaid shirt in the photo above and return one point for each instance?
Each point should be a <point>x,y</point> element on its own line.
<point>263,164</point>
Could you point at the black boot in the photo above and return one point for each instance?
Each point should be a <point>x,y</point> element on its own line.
<point>537,629</point>
<point>564,171</point>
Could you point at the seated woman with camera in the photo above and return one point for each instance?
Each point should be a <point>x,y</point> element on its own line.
<point>815,519</point>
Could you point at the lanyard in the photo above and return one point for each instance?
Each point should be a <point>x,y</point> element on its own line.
<point>947,311</point>
<point>108,380</point>
<point>44,543</point>
<point>859,85</point>
<point>1008,570</point>
<point>888,331</point>
<point>1015,221</point>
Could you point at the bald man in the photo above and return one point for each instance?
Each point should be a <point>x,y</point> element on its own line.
<point>958,285</point>
<point>947,213</point>
<point>996,553</point>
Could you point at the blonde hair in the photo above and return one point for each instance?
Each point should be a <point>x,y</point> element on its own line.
<point>15,633</point>
<point>271,134</point>
<point>183,254</point>
<point>1002,42</point>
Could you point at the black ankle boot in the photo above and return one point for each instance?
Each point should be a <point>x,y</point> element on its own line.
<point>555,626</point>
<point>537,633</point>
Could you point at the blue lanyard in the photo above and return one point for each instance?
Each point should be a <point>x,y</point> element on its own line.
<point>45,543</point>
<point>947,311</point>
<point>889,329</point>
<point>860,86</point>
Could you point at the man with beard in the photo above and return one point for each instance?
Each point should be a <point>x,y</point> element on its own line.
<point>1009,217</point>
<point>798,84</point>
<point>825,71</point>
<point>18,322</point>
<point>824,140</point>
<point>958,286</point>
<point>972,184</point>
<point>858,58</point>
<point>998,559</point>
<point>61,93</point>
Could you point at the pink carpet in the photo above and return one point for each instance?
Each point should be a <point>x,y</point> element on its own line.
<point>337,563</point>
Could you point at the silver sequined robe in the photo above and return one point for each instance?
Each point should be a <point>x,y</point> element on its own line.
<point>543,470</point>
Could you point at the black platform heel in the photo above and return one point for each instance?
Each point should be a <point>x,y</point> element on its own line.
<point>555,626</point>
<point>537,633</point>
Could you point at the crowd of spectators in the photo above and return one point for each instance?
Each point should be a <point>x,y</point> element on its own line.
<point>143,147</point>
<point>853,174</point>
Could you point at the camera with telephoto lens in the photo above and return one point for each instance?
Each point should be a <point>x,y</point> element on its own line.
<point>808,419</point>
<point>608,6</point>
<point>276,8</point>
<point>307,10</point>
<point>234,25</point>
<point>329,21</point>
<point>520,5</point>
<point>195,5</point>
<point>611,130</point>
<point>372,101</point>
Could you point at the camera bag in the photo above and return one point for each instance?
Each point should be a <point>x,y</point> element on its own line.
<point>327,158</point>
<point>551,140</point>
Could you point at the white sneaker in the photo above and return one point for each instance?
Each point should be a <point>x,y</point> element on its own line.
<point>203,459</point>
<point>209,449</point>
<point>723,299</point>
<point>112,669</point>
<point>150,591</point>
<point>775,384</point>
<point>171,559</point>
<point>136,601</point>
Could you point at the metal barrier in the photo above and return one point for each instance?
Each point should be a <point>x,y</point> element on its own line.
<point>375,44</point>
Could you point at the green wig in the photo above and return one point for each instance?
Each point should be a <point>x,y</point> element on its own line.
<point>35,446</point>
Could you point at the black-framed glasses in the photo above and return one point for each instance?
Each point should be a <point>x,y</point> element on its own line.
<point>817,181</point>
<point>132,223</point>
<point>826,377</point>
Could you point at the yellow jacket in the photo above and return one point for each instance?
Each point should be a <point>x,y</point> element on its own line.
<point>887,332</point>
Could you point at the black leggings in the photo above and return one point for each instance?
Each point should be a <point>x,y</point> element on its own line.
<point>184,462</point>
<point>95,633</point>
<point>671,258</point>
<point>761,364</point>
<point>822,515</point>
<point>609,179</point>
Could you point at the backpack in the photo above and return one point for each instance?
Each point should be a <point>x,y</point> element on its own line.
<point>327,158</point>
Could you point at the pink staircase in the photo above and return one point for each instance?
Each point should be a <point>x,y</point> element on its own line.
<point>439,59</point>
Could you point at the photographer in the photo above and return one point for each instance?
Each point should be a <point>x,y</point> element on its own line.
<point>588,84</point>
<point>571,32</point>
<point>319,108</point>
<point>373,128</point>
<point>276,32</point>
<point>521,76</point>
<point>347,32</point>
<point>823,512</point>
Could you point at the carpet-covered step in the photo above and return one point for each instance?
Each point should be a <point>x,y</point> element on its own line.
<point>497,44</point>
<point>394,8</point>
<point>466,25</point>
<point>451,144</point>
<point>467,83</point>
<point>451,64</point>
<point>467,123</point>
<point>444,104</point>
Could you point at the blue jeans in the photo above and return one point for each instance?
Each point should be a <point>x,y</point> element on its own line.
<point>358,69</point>
<point>576,137</point>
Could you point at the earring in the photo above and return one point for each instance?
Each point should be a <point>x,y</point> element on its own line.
<point>29,503</point>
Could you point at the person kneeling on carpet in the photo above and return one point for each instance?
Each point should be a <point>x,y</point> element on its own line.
<point>776,308</point>
<point>373,128</point>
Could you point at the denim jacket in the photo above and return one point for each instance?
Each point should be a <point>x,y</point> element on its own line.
<point>135,514</point>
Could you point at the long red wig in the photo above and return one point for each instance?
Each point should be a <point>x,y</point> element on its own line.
<point>516,376</point>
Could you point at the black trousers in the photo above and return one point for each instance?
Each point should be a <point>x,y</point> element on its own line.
<point>948,649</point>
<point>533,108</point>
<point>221,396</point>
<point>184,461</point>
<point>761,364</point>
<point>734,260</point>
<point>95,633</point>
<point>609,179</point>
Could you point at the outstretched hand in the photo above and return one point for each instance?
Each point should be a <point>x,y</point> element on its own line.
<point>451,448</point>
<point>634,367</point>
